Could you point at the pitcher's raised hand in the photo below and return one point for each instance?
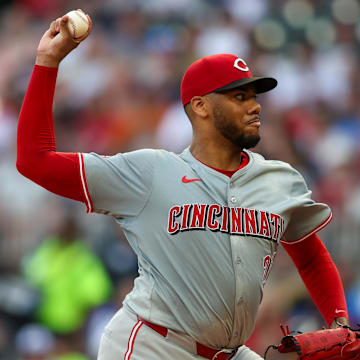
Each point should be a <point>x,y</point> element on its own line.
<point>57,42</point>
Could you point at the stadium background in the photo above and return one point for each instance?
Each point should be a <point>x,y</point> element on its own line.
<point>119,91</point>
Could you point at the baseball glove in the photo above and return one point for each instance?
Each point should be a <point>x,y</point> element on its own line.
<point>339,343</point>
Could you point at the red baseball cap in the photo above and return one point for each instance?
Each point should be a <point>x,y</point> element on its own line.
<point>217,73</point>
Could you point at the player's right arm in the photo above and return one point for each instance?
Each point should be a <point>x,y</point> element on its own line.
<point>37,158</point>
<point>119,184</point>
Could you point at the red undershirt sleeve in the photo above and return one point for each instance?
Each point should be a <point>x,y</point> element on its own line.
<point>320,276</point>
<point>37,158</point>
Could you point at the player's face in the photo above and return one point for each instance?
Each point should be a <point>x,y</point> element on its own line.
<point>236,115</point>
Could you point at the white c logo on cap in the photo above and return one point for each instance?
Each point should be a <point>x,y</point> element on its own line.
<point>244,68</point>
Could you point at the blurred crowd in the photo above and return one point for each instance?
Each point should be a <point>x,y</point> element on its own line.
<point>63,274</point>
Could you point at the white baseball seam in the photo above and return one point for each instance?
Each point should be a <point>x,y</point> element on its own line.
<point>82,18</point>
<point>73,25</point>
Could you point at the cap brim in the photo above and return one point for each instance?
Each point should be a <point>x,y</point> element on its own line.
<point>261,84</point>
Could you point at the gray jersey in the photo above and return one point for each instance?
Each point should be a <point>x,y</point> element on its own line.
<point>205,242</point>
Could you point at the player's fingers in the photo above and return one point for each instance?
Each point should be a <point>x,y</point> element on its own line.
<point>57,24</point>
<point>63,27</point>
<point>52,28</point>
<point>90,24</point>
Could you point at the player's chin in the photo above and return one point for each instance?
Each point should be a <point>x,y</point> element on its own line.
<point>249,141</point>
<point>252,130</point>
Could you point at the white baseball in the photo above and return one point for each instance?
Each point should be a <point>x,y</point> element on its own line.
<point>78,23</point>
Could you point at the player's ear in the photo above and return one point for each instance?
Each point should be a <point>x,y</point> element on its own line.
<point>199,106</point>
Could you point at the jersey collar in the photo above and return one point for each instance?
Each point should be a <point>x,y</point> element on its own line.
<point>198,165</point>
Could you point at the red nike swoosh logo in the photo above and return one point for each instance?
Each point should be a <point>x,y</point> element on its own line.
<point>185,180</point>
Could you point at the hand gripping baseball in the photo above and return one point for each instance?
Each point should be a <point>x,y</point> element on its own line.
<point>57,42</point>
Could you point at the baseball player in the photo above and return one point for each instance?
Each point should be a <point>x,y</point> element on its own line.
<point>205,224</point>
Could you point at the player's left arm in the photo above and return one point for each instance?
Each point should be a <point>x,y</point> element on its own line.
<point>321,277</point>
<point>313,261</point>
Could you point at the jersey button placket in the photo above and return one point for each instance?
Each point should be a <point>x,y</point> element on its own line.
<point>237,258</point>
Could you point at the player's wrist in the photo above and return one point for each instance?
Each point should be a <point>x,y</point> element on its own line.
<point>339,321</point>
<point>46,60</point>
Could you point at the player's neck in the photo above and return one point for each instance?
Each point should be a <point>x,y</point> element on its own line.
<point>221,156</point>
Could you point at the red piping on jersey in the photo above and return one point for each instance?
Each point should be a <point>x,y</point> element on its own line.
<point>321,226</point>
<point>37,158</point>
<point>89,204</point>
<point>230,173</point>
<point>320,275</point>
<point>131,340</point>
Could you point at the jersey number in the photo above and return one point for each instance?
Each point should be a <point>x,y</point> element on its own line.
<point>267,264</point>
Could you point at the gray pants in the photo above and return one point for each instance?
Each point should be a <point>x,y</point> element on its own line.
<point>127,338</point>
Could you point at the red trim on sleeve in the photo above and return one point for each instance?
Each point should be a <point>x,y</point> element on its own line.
<point>321,226</point>
<point>320,275</point>
<point>88,203</point>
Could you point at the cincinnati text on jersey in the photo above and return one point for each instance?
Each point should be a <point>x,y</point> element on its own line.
<point>232,220</point>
